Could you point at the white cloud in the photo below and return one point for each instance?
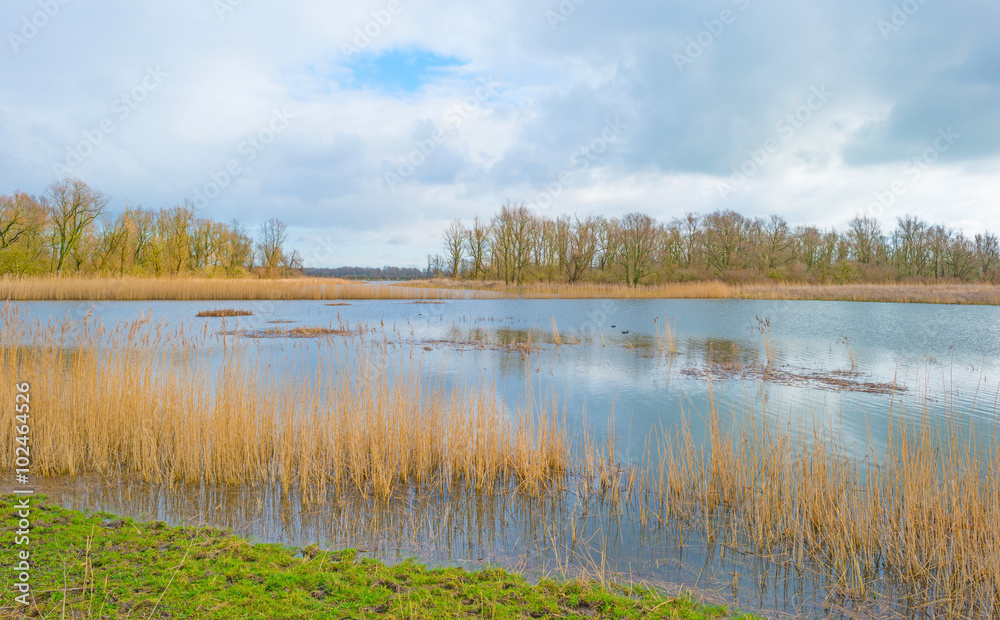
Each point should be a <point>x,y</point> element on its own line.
<point>686,130</point>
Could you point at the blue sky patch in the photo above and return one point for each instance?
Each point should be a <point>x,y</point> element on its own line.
<point>399,70</point>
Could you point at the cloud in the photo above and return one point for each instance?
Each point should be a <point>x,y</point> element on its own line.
<point>369,83</point>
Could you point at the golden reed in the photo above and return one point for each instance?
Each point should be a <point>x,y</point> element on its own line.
<point>917,517</point>
<point>983,294</point>
<point>143,400</point>
<point>180,288</point>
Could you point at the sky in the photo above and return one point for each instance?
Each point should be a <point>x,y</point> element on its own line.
<point>368,126</point>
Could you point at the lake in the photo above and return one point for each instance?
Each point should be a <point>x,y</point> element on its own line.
<point>613,369</point>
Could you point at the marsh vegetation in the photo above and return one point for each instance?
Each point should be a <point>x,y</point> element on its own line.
<point>378,451</point>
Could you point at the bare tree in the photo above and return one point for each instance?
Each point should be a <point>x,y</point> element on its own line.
<point>236,250</point>
<point>454,245</point>
<point>961,257</point>
<point>174,229</point>
<point>636,243</point>
<point>73,208</point>
<point>270,245</point>
<point>582,248</point>
<point>727,236</point>
<point>478,240</point>
<point>865,236</point>
<point>775,244</point>
<point>14,218</point>
<point>987,253</point>
<point>911,250</point>
<point>513,234</point>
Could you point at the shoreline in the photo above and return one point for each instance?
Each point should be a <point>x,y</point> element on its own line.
<point>99,563</point>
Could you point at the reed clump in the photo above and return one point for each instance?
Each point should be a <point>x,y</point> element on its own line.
<point>915,520</point>
<point>147,401</point>
<point>223,312</point>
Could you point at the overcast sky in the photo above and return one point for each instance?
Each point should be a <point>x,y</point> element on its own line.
<point>367,126</point>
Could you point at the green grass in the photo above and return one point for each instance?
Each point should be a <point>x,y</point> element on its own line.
<point>97,565</point>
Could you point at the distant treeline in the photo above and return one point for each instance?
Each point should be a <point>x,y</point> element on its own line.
<point>68,230</point>
<point>367,273</point>
<point>518,246</point>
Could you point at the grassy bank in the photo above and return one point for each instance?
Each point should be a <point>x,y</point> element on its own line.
<point>977,294</point>
<point>99,566</point>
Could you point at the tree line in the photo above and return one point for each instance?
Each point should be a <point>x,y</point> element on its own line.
<point>366,273</point>
<point>516,246</point>
<point>69,230</point>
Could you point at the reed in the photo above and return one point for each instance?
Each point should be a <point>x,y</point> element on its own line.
<point>179,288</point>
<point>915,520</point>
<point>147,401</point>
<point>665,339</point>
<point>764,327</point>
<point>974,294</point>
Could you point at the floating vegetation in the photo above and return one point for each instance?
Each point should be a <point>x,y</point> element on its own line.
<point>293,332</point>
<point>224,312</point>
<point>841,380</point>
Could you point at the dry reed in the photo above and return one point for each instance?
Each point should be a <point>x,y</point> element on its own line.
<point>975,294</point>
<point>917,520</point>
<point>142,289</point>
<point>143,400</point>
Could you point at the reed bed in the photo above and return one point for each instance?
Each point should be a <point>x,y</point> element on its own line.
<point>915,521</point>
<point>143,400</point>
<point>970,294</point>
<point>148,289</point>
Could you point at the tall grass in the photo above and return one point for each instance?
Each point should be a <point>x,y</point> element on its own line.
<point>144,400</point>
<point>916,520</point>
<point>984,294</point>
<point>128,289</point>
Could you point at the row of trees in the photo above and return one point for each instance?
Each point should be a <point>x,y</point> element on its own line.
<point>366,273</point>
<point>69,230</point>
<point>518,246</point>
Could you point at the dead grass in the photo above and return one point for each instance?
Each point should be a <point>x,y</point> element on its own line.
<point>293,332</point>
<point>130,289</point>
<point>225,312</point>
<point>837,380</point>
<point>977,294</point>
